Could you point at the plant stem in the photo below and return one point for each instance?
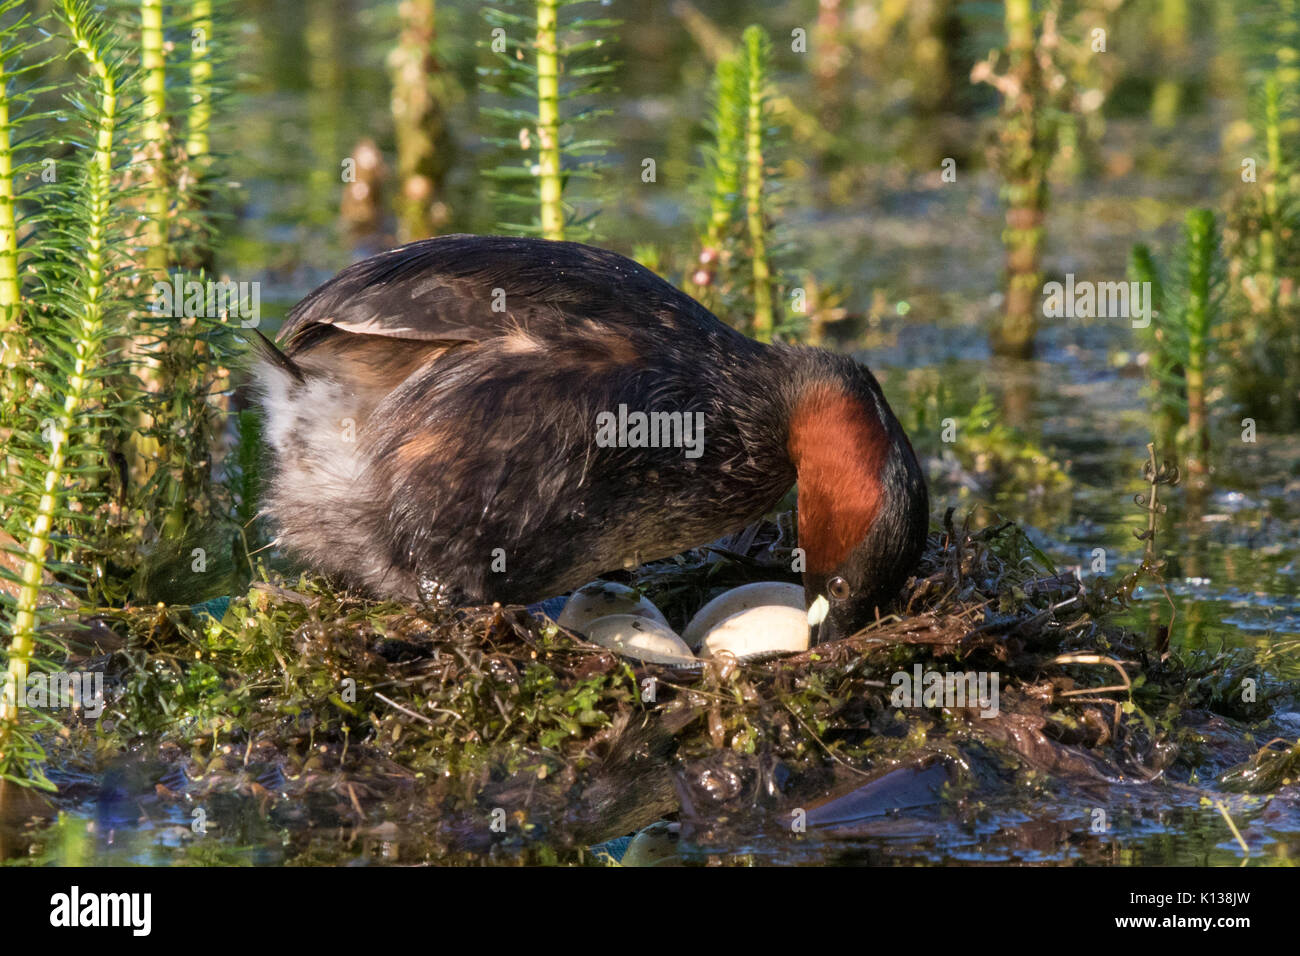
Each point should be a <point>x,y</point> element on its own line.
<point>1197,322</point>
<point>1268,229</point>
<point>417,122</point>
<point>550,184</point>
<point>9,297</point>
<point>200,114</point>
<point>1026,185</point>
<point>1172,44</point>
<point>191,244</point>
<point>12,380</point>
<point>153,64</point>
<point>756,72</point>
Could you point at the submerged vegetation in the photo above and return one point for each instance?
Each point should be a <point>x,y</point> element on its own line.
<point>131,549</point>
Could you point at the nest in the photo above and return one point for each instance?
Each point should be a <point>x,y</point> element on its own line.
<point>492,727</point>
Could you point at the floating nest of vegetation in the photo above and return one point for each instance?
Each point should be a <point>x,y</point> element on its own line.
<point>496,732</point>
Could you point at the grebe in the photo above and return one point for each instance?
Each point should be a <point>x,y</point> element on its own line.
<point>469,419</point>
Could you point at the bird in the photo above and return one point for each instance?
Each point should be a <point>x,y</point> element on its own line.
<point>469,419</point>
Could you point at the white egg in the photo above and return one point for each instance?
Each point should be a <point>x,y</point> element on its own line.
<point>763,593</point>
<point>656,845</point>
<point>639,637</point>
<point>759,630</point>
<point>601,599</point>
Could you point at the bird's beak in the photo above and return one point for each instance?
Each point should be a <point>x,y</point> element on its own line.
<point>817,612</point>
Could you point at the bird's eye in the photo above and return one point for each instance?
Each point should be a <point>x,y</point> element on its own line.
<point>839,589</point>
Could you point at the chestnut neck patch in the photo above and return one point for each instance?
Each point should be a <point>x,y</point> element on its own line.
<point>838,446</point>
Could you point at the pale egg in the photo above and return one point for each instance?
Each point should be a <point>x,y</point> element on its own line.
<point>601,599</point>
<point>763,593</point>
<point>767,629</point>
<point>642,638</point>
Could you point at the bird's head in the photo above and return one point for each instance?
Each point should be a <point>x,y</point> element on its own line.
<point>863,505</point>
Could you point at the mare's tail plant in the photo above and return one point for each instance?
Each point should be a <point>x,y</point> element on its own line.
<point>419,125</point>
<point>1036,93</point>
<point>1265,259</point>
<point>201,58</point>
<point>23,173</point>
<point>734,272</point>
<point>1181,341</point>
<point>1194,301</point>
<point>1164,375</point>
<point>155,163</point>
<point>1262,233</point>
<point>557,67</point>
<point>1272,222</point>
<point>78,327</point>
<point>721,192</point>
<point>757,53</point>
<point>184,76</point>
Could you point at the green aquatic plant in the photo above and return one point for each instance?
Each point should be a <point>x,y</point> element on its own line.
<point>1193,298</point>
<point>20,754</point>
<point>155,168</point>
<point>198,132</point>
<point>1272,224</point>
<point>198,355</point>
<point>78,323</point>
<point>1182,340</point>
<point>24,177</point>
<point>204,56</point>
<point>721,187</point>
<point>1171,43</point>
<point>184,351</point>
<point>549,188</point>
<point>559,67</point>
<point>1036,93</point>
<point>1268,770</point>
<point>1156,474</point>
<point>1262,238</point>
<point>758,54</point>
<point>1164,374</point>
<point>735,272</point>
<point>101,461</point>
<point>420,128</point>
<point>1194,312</point>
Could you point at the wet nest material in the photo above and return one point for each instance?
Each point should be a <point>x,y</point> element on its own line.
<point>493,728</point>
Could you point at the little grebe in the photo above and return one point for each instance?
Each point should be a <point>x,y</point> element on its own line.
<point>469,419</point>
